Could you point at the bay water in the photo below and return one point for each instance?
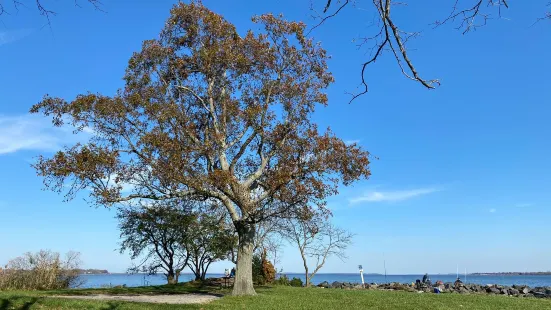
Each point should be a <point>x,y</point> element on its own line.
<point>132,280</point>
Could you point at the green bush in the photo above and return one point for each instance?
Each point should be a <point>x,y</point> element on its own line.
<point>263,271</point>
<point>258,277</point>
<point>282,280</point>
<point>296,282</point>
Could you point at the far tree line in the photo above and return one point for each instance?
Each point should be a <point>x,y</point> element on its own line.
<point>170,236</point>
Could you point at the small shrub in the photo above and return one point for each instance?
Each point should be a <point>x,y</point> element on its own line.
<point>258,278</point>
<point>44,270</point>
<point>263,271</point>
<point>282,280</point>
<point>296,282</point>
<point>268,270</point>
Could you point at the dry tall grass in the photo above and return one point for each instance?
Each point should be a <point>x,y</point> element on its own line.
<point>44,270</point>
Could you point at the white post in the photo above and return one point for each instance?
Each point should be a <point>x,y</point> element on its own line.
<point>362,275</point>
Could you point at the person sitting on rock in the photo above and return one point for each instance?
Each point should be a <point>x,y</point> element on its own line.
<point>426,280</point>
<point>440,286</point>
<point>458,283</point>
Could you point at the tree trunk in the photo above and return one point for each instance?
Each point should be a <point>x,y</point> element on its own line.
<point>243,284</point>
<point>170,278</point>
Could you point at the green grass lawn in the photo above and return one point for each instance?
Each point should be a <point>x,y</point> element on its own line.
<point>274,298</point>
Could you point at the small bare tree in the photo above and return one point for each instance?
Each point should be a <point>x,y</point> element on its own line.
<point>316,238</point>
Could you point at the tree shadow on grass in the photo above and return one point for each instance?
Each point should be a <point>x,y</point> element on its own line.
<point>111,306</point>
<point>173,289</point>
<point>13,304</point>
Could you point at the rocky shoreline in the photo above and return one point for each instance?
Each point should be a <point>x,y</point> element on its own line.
<point>449,288</point>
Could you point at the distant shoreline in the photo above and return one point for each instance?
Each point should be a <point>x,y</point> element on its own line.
<point>92,271</point>
<point>543,273</point>
<point>546,273</point>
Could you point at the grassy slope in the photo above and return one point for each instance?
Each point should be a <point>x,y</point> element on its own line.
<point>276,298</point>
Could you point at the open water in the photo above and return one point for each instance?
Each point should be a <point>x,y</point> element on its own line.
<point>106,280</point>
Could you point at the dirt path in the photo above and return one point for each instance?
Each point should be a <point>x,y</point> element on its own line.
<point>161,299</point>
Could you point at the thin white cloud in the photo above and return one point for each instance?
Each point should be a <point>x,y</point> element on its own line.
<point>493,210</point>
<point>350,142</point>
<point>398,195</point>
<point>523,205</point>
<point>13,35</point>
<point>32,133</point>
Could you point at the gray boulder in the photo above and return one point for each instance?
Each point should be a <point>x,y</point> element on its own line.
<point>463,290</point>
<point>336,284</point>
<point>539,294</point>
<point>538,289</point>
<point>347,285</point>
<point>514,291</point>
<point>524,290</point>
<point>324,284</point>
<point>476,288</point>
<point>493,290</point>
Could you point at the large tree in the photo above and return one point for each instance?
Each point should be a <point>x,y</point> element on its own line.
<point>156,234</point>
<point>209,113</point>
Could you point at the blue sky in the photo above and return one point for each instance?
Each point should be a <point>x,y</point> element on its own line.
<point>463,174</point>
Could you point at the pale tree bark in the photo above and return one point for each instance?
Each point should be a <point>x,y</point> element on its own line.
<point>243,275</point>
<point>171,278</point>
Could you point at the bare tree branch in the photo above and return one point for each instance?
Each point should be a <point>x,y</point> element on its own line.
<point>391,37</point>
<point>45,11</point>
<point>472,17</point>
<point>546,16</point>
<point>346,2</point>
